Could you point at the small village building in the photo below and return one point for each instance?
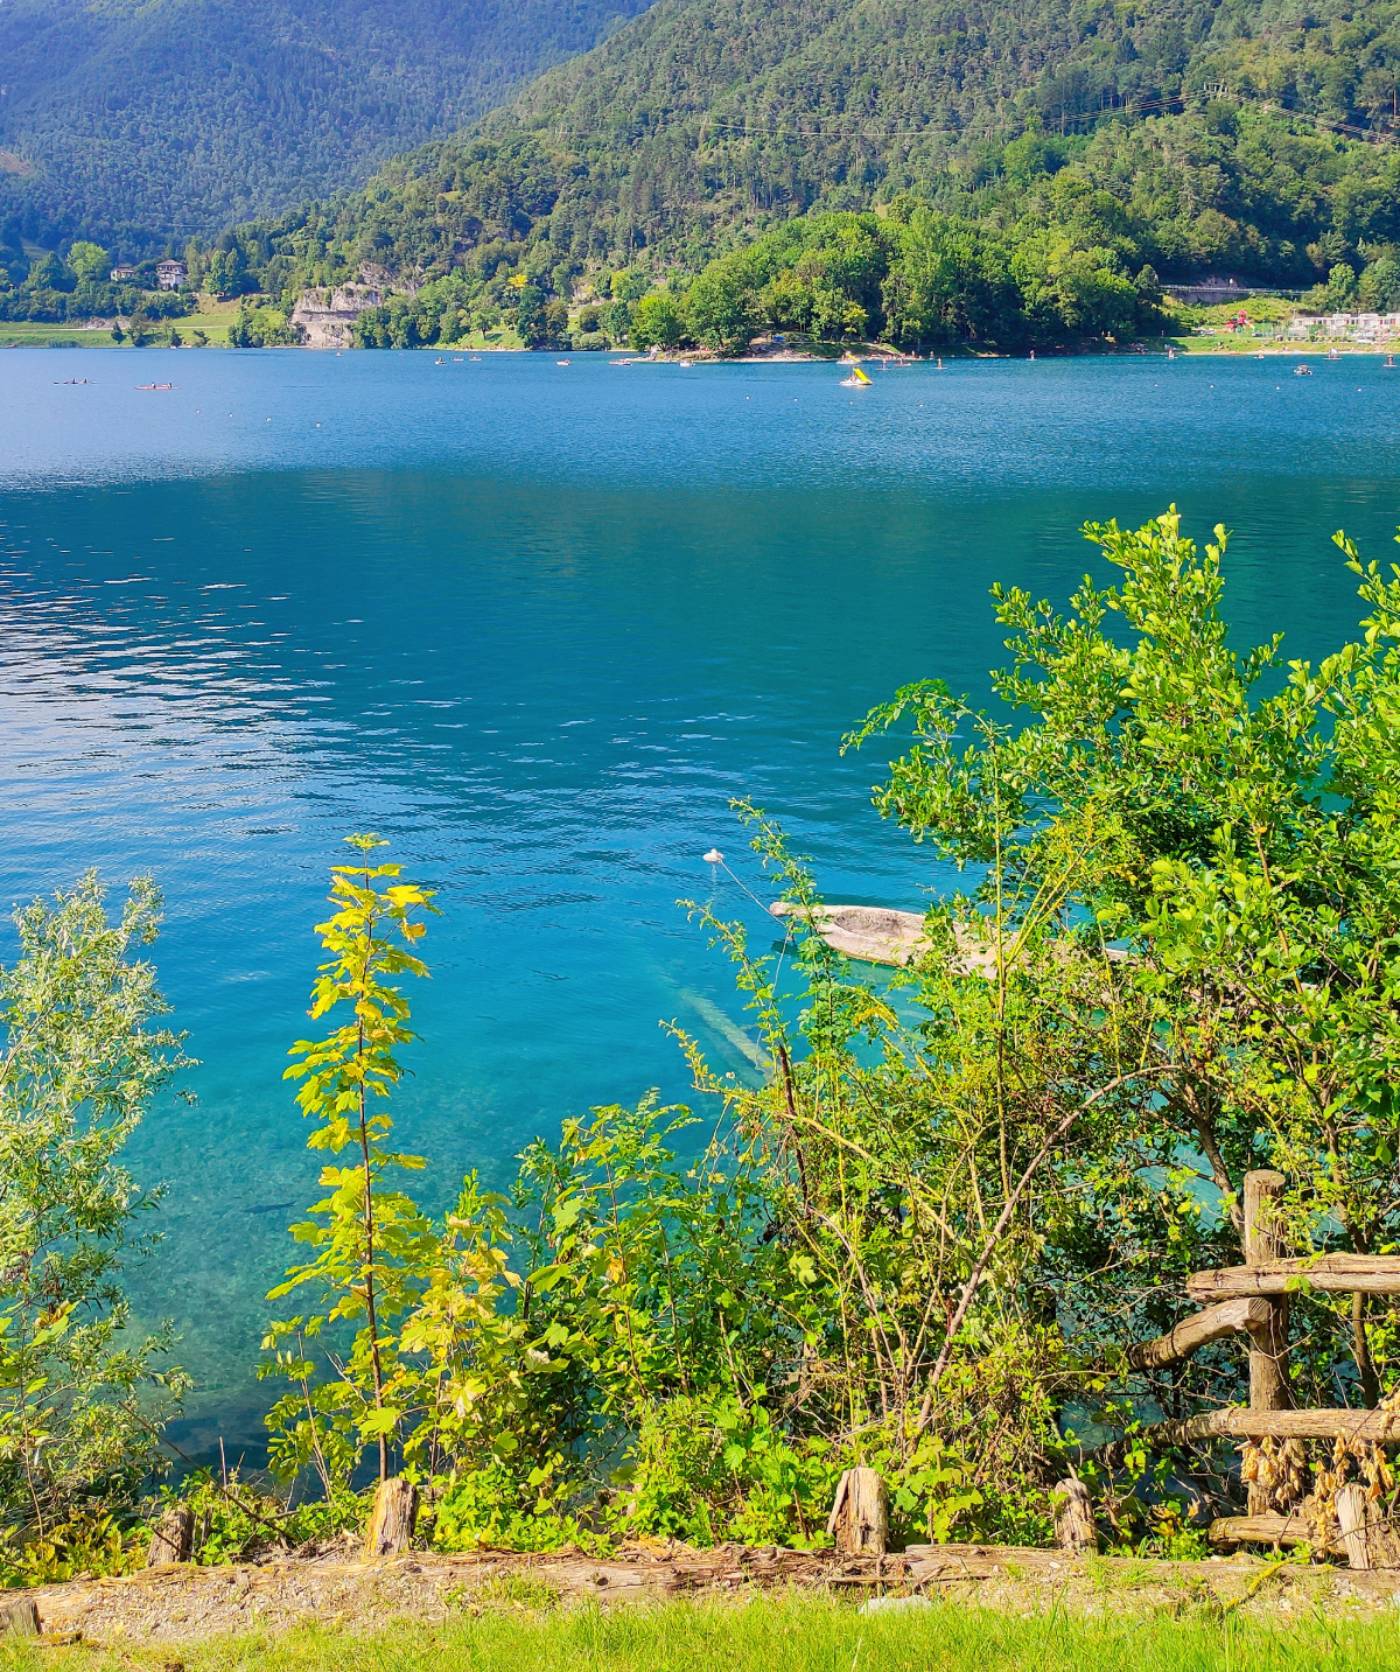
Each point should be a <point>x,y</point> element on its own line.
<point>122,275</point>
<point>1349,327</point>
<point>170,275</point>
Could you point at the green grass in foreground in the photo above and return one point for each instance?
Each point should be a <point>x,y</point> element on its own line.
<point>777,1634</point>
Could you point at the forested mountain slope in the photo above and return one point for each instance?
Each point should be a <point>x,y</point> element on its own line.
<point>133,122</point>
<point>702,121</point>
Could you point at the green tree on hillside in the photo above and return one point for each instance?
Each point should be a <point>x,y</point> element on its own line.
<point>657,322</point>
<point>89,261</point>
<point>721,309</point>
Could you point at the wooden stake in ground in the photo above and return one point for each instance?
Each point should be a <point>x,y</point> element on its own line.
<point>1074,1518</point>
<point>860,1517</point>
<point>173,1538</point>
<point>19,1618</point>
<point>1366,1538</point>
<point>395,1512</point>
<point>1268,1385</point>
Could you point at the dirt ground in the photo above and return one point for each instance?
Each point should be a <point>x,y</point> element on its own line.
<point>180,1604</point>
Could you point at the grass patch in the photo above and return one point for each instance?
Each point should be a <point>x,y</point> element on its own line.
<point>810,1633</point>
<point>499,339</point>
<point>32,333</point>
<point>212,317</point>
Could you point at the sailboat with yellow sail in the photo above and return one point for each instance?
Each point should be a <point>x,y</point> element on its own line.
<point>857,379</point>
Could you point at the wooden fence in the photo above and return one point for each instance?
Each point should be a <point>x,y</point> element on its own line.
<point>1253,1300</point>
<point>1250,1300</point>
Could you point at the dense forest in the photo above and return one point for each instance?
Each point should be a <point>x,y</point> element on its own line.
<point>1257,140</point>
<point>133,123</point>
<point>1011,177</point>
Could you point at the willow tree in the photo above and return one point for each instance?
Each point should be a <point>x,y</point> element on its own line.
<point>84,1049</point>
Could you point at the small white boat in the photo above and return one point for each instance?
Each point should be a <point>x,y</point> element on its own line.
<point>1302,371</point>
<point>685,365</point>
<point>563,362</point>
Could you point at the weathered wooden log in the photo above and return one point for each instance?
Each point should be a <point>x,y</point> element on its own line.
<point>172,1541</point>
<point>1347,1274</point>
<point>1074,1517</point>
<point>1191,1334</point>
<point>1262,1529</point>
<point>860,1517</point>
<point>1366,1537</point>
<point>395,1514</point>
<point>1268,1351</point>
<point>1243,1423</point>
<point>19,1618</point>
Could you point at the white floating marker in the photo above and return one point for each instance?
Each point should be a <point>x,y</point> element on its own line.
<point>714,857</point>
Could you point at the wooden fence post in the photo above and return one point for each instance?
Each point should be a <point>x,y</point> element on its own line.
<point>1354,1520</point>
<point>172,1541</point>
<point>1074,1518</point>
<point>860,1517</point>
<point>395,1512</point>
<point>1367,1537</point>
<point>19,1618</point>
<point>1268,1342</point>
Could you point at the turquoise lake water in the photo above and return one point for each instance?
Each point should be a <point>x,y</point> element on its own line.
<point>539,625</point>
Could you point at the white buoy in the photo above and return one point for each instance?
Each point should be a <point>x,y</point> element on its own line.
<point>714,857</point>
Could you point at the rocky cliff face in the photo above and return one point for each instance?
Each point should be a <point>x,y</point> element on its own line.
<point>326,318</point>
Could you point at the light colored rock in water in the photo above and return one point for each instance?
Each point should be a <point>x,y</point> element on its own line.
<point>877,934</point>
<point>882,935</point>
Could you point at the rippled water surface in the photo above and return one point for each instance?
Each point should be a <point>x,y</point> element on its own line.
<point>539,625</point>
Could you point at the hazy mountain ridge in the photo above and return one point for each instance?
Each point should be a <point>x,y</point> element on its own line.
<point>143,123</point>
